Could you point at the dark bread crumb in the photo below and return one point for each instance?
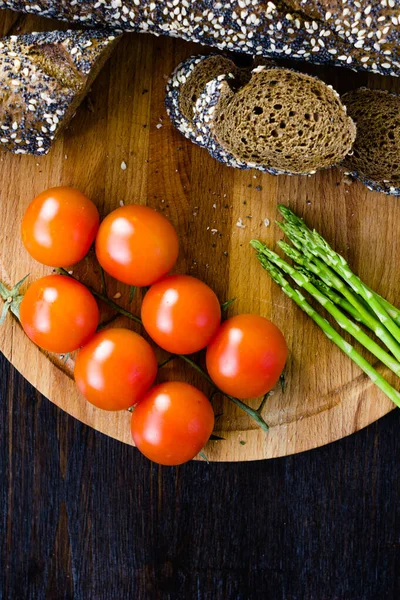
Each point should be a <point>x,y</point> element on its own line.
<point>376,150</point>
<point>203,72</point>
<point>286,120</point>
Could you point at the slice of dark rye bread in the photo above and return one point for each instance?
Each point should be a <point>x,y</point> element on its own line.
<point>206,69</point>
<point>360,34</point>
<point>185,85</point>
<point>376,152</point>
<point>214,94</point>
<point>281,121</point>
<point>43,79</point>
<point>188,81</point>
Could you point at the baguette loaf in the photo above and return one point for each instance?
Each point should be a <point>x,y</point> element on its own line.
<point>376,153</point>
<point>43,79</point>
<point>360,34</point>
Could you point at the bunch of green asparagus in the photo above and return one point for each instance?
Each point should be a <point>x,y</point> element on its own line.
<point>327,277</point>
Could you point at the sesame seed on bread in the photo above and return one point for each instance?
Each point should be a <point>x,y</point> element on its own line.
<point>215,94</point>
<point>43,79</point>
<point>187,83</point>
<point>208,68</point>
<point>360,34</point>
<point>376,152</point>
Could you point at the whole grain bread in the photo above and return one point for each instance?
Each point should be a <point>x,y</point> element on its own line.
<point>43,79</point>
<point>360,34</point>
<point>205,70</point>
<point>185,85</point>
<point>281,121</point>
<point>216,94</point>
<point>188,81</point>
<point>375,159</point>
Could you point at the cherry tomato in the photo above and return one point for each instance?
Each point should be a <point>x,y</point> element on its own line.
<point>136,245</point>
<point>181,314</point>
<point>247,356</point>
<point>59,226</point>
<point>115,369</point>
<point>172,423</point>
<point>59,314</point>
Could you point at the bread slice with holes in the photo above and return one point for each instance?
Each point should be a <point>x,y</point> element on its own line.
<point>375,159</point>
<point>185,86</point>
<point>214,94</point>
<point>281,121</point>
<point>43,79</point>
<point>188,81</point>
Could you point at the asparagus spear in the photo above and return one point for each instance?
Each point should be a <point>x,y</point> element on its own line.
<point>323,272</point>
<point>391,310</point>
<point>329,277</point>
<point>303,281</point>
<point>331,333</point>
<point>300,226</point>
<point>320,249</point>
<point>332,295</point>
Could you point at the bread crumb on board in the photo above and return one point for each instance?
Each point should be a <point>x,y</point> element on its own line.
<point>347,179</point>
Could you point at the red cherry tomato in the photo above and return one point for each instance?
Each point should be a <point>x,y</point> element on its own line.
<point>136,245</point>
<point>172,423</point>
<point>59,314</point>
<point>247,356</point>
<point>115,369</point>
<point>181,314</point>
<point>59,226</point>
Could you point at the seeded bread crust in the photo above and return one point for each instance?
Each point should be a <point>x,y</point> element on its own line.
<point>208,68</point>
<point>360,34</point>
<point>376,152</point>
<point>43,79</point>
<point>187,83</point>
<point>215,93</point>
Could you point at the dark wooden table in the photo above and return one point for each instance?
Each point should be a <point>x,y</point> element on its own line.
<point>86,517</point>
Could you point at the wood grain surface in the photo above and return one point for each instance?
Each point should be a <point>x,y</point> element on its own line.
<point>124,120</point>
<point>84,517</point>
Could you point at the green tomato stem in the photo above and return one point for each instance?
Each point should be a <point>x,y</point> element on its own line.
<point>254,414</point>
<point>106,300</point>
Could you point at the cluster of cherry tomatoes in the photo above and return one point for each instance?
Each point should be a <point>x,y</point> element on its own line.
<point>115,368</point>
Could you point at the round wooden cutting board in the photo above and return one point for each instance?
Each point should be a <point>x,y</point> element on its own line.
<point>124,121</point>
